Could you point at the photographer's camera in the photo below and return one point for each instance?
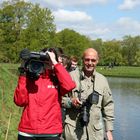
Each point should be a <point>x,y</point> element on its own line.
<point>93,98</point>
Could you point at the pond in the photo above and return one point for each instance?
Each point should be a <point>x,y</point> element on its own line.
<point>126,94</point>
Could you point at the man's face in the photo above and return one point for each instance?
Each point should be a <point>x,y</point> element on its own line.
<point>90,61</point>
<point>73,64</point>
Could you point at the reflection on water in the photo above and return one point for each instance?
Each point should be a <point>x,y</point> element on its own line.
<point>126,94</point>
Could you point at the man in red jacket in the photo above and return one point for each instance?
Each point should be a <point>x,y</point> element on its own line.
<point>41,98</point>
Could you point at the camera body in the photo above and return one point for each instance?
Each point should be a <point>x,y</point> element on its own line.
<point>84,115</point>
<point>93,98</point>
<point>34,63</point>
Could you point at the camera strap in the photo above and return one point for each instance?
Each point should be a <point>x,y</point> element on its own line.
<point>81,77</point>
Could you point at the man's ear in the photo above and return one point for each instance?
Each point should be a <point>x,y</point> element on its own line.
<point>97,59</point>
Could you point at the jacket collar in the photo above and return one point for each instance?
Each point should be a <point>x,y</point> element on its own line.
<point>83,76</point>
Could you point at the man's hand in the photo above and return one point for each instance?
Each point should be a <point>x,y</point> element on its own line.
<point>109,135</point>
<point>76,102</point>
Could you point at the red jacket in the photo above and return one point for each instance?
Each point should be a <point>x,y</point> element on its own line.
<point>41,100</point>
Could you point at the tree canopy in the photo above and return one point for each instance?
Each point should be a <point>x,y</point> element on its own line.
<point>27,25</point>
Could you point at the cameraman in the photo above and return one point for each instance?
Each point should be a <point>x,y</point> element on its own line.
<point>90,107</point>
<point>41,99</point>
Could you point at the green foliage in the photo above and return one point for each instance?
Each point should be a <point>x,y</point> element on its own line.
<point>137,58</point>
<point>8,80</point>
<point>13,19</point>
<point>98,44</point>
<point>130,45</point>
<point>40,30</point>
<point>111,53</point>
<point>24,25</point>
<point>72,42</point>
<point>27,25</point>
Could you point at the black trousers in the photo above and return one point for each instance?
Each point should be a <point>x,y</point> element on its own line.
<point>38,138</point>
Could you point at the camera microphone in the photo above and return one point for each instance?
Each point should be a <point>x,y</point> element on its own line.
<point>25,54</point>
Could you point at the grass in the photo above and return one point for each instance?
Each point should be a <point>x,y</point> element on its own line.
<point>121,71</point>
<point>10,113</point>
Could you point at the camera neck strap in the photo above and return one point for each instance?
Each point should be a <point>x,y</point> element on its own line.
<point>82,77</point>
<point>88,103</point>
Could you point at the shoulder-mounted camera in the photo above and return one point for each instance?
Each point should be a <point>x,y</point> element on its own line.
<point>34,62</point>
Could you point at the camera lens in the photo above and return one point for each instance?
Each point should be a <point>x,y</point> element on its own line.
<point>36,66</point>
<point>84,116</point>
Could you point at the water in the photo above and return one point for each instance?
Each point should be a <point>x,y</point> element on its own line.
<point>126,94</point>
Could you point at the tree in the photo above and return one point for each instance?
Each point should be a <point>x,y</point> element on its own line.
<point>13,18</point>
<point>137,58</point>
<point>40,29</point>
<point>130,46</point>
<point>24,25</point>
<point>98,44</point>
<point>72,42</point>
<point>111,53</point>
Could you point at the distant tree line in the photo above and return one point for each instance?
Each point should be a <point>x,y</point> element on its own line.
<point>27,25</point>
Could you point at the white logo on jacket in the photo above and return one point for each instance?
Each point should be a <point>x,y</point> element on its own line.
<point>52,86</point>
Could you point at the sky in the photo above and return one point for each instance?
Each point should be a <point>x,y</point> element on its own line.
<point>105,19</point>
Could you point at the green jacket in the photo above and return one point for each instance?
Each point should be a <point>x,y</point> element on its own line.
<point>101,114</point>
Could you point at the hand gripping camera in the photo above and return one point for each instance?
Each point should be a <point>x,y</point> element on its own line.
<point>34,63</point>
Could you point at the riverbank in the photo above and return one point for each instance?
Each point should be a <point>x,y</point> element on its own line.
<point>116,71</point>
<point>120,71</point>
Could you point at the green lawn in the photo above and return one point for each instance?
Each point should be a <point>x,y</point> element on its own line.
<point>10,113</point>
<point>121,71</point>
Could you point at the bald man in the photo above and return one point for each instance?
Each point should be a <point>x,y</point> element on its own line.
<point>90,106</point>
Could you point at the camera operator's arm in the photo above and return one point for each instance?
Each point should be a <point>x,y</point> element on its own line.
<point>72,99</point>
<point>21,94</point>
<point>66,84</point>
<point>65,81</point>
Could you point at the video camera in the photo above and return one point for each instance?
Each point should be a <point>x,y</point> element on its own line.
<point>34,63</point>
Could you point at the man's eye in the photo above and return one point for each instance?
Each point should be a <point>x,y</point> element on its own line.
<point>87,60</point>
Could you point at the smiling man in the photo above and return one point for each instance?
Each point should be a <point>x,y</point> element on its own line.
<point>90,106</point>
